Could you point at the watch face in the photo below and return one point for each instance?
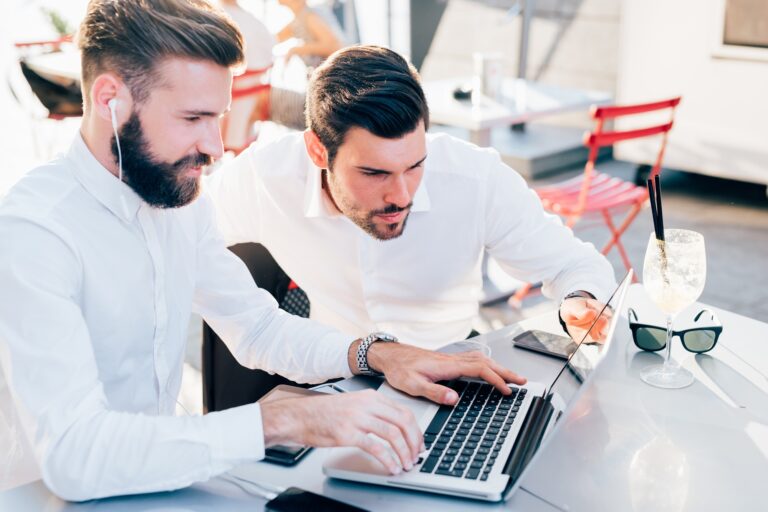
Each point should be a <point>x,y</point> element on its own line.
<point>384,336</point>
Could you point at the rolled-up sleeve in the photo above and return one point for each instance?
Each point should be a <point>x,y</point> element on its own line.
<point>533,245</point>
<point>85,448</point>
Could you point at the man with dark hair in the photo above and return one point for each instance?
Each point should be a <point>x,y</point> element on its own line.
<point>106,252</point>
<point>384,226</point>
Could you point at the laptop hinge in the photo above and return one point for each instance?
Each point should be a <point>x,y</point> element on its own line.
<point>530,436</point>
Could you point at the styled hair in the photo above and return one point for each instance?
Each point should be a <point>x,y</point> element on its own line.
<point>369,87</point>
<point>131,37</point>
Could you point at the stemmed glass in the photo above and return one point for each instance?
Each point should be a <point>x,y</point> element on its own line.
<point>674,273</point>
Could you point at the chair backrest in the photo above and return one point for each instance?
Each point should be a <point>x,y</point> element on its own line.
<point>250,82</point>
<point>599,137</point>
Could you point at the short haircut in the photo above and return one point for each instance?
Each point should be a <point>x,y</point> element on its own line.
<point>131,37</point>
<point>368,87</point>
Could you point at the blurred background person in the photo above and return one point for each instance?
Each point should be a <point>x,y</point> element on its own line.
<point>320,38</point>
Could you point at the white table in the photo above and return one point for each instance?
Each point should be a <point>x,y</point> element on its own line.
<point>522,101</point>
<point>632,447</point>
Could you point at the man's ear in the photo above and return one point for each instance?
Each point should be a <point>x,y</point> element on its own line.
<point>315,149</point>
<point>106,87</point>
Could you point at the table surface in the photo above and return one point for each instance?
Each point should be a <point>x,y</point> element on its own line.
<point>522,101</point>
<point>627,446</point>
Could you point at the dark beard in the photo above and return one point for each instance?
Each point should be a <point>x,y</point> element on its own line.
<point>391,229</point>
<point>160,184</point>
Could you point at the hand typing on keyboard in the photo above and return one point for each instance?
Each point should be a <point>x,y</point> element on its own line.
<point>366,419</point>
<point>416,371</point>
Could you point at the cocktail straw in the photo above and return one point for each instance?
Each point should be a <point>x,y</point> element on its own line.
<point>659,211</point>
<point>654,193</point>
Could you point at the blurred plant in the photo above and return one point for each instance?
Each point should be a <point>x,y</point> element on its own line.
<point>61,25</point>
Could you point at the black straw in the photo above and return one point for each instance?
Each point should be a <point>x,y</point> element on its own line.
<point>659,211</point>
<point>654,193</point>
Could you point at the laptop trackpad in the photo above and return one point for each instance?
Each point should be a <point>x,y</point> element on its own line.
<point>422,408</point>
<point>350,461</point>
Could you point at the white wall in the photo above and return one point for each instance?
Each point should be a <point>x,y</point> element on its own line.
<point>721,127</point>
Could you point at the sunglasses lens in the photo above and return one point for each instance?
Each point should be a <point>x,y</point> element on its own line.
<point>699,341</point>
<point>649,338</point>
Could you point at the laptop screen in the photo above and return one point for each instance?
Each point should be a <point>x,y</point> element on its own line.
<point>590,350</point>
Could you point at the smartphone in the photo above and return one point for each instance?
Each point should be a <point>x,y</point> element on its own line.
<point>294,499</point>
<point>546,343</point>
<point>280,454</point>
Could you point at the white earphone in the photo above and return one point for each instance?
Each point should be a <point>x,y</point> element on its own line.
<point>112,104</point>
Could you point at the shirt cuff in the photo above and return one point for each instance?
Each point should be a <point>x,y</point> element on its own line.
<point>338,354</point>
<point>236,435</point>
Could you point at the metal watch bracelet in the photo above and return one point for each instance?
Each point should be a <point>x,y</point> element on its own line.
<point>362,351</point>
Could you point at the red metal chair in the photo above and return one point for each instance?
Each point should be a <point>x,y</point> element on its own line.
<point>253,84</point>
<point>601,195</point>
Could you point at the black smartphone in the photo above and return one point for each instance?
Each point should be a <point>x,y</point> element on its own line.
<point>546,343</point>
<point>294,499</point>
<point>280,454</point>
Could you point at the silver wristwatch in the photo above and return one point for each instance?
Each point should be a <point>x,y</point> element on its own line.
<point>362,351</point>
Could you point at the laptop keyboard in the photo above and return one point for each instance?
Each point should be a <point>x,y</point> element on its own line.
<point>465,440</point>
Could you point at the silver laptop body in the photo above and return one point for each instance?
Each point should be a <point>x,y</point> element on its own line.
<point>536,410</point>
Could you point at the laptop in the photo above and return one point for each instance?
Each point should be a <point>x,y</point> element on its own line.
<point>479,447</point>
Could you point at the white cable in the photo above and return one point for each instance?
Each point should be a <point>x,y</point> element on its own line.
<point>112,104</point>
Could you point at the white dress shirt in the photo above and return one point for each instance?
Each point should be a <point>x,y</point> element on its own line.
<point>97,290</point>
<point>425,285</point>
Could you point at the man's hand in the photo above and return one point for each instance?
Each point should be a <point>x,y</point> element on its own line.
<point>579,313</point>
<point>347,420</point>
<point>415,370</point>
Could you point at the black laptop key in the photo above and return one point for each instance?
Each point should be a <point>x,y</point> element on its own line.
<point>486,444</point>
<point>440,445</point>
<point>462,431</point>
<point>429,464</point>
<point>484,477</point>
<point>497,424</point>
<point>439,420</point>
<point>444,466</point>
<point>471,445</point>
<point>492,431</point>
<point>473,473</point>
<point>448,458</point>
<point>459,465</point>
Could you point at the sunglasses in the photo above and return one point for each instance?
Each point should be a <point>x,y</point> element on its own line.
<point>654,338</point>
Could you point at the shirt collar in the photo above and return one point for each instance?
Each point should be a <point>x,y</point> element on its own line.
<point>117,196</point>
<point>318,204</point>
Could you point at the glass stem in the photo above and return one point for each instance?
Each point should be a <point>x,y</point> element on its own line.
<point>668,363</point>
